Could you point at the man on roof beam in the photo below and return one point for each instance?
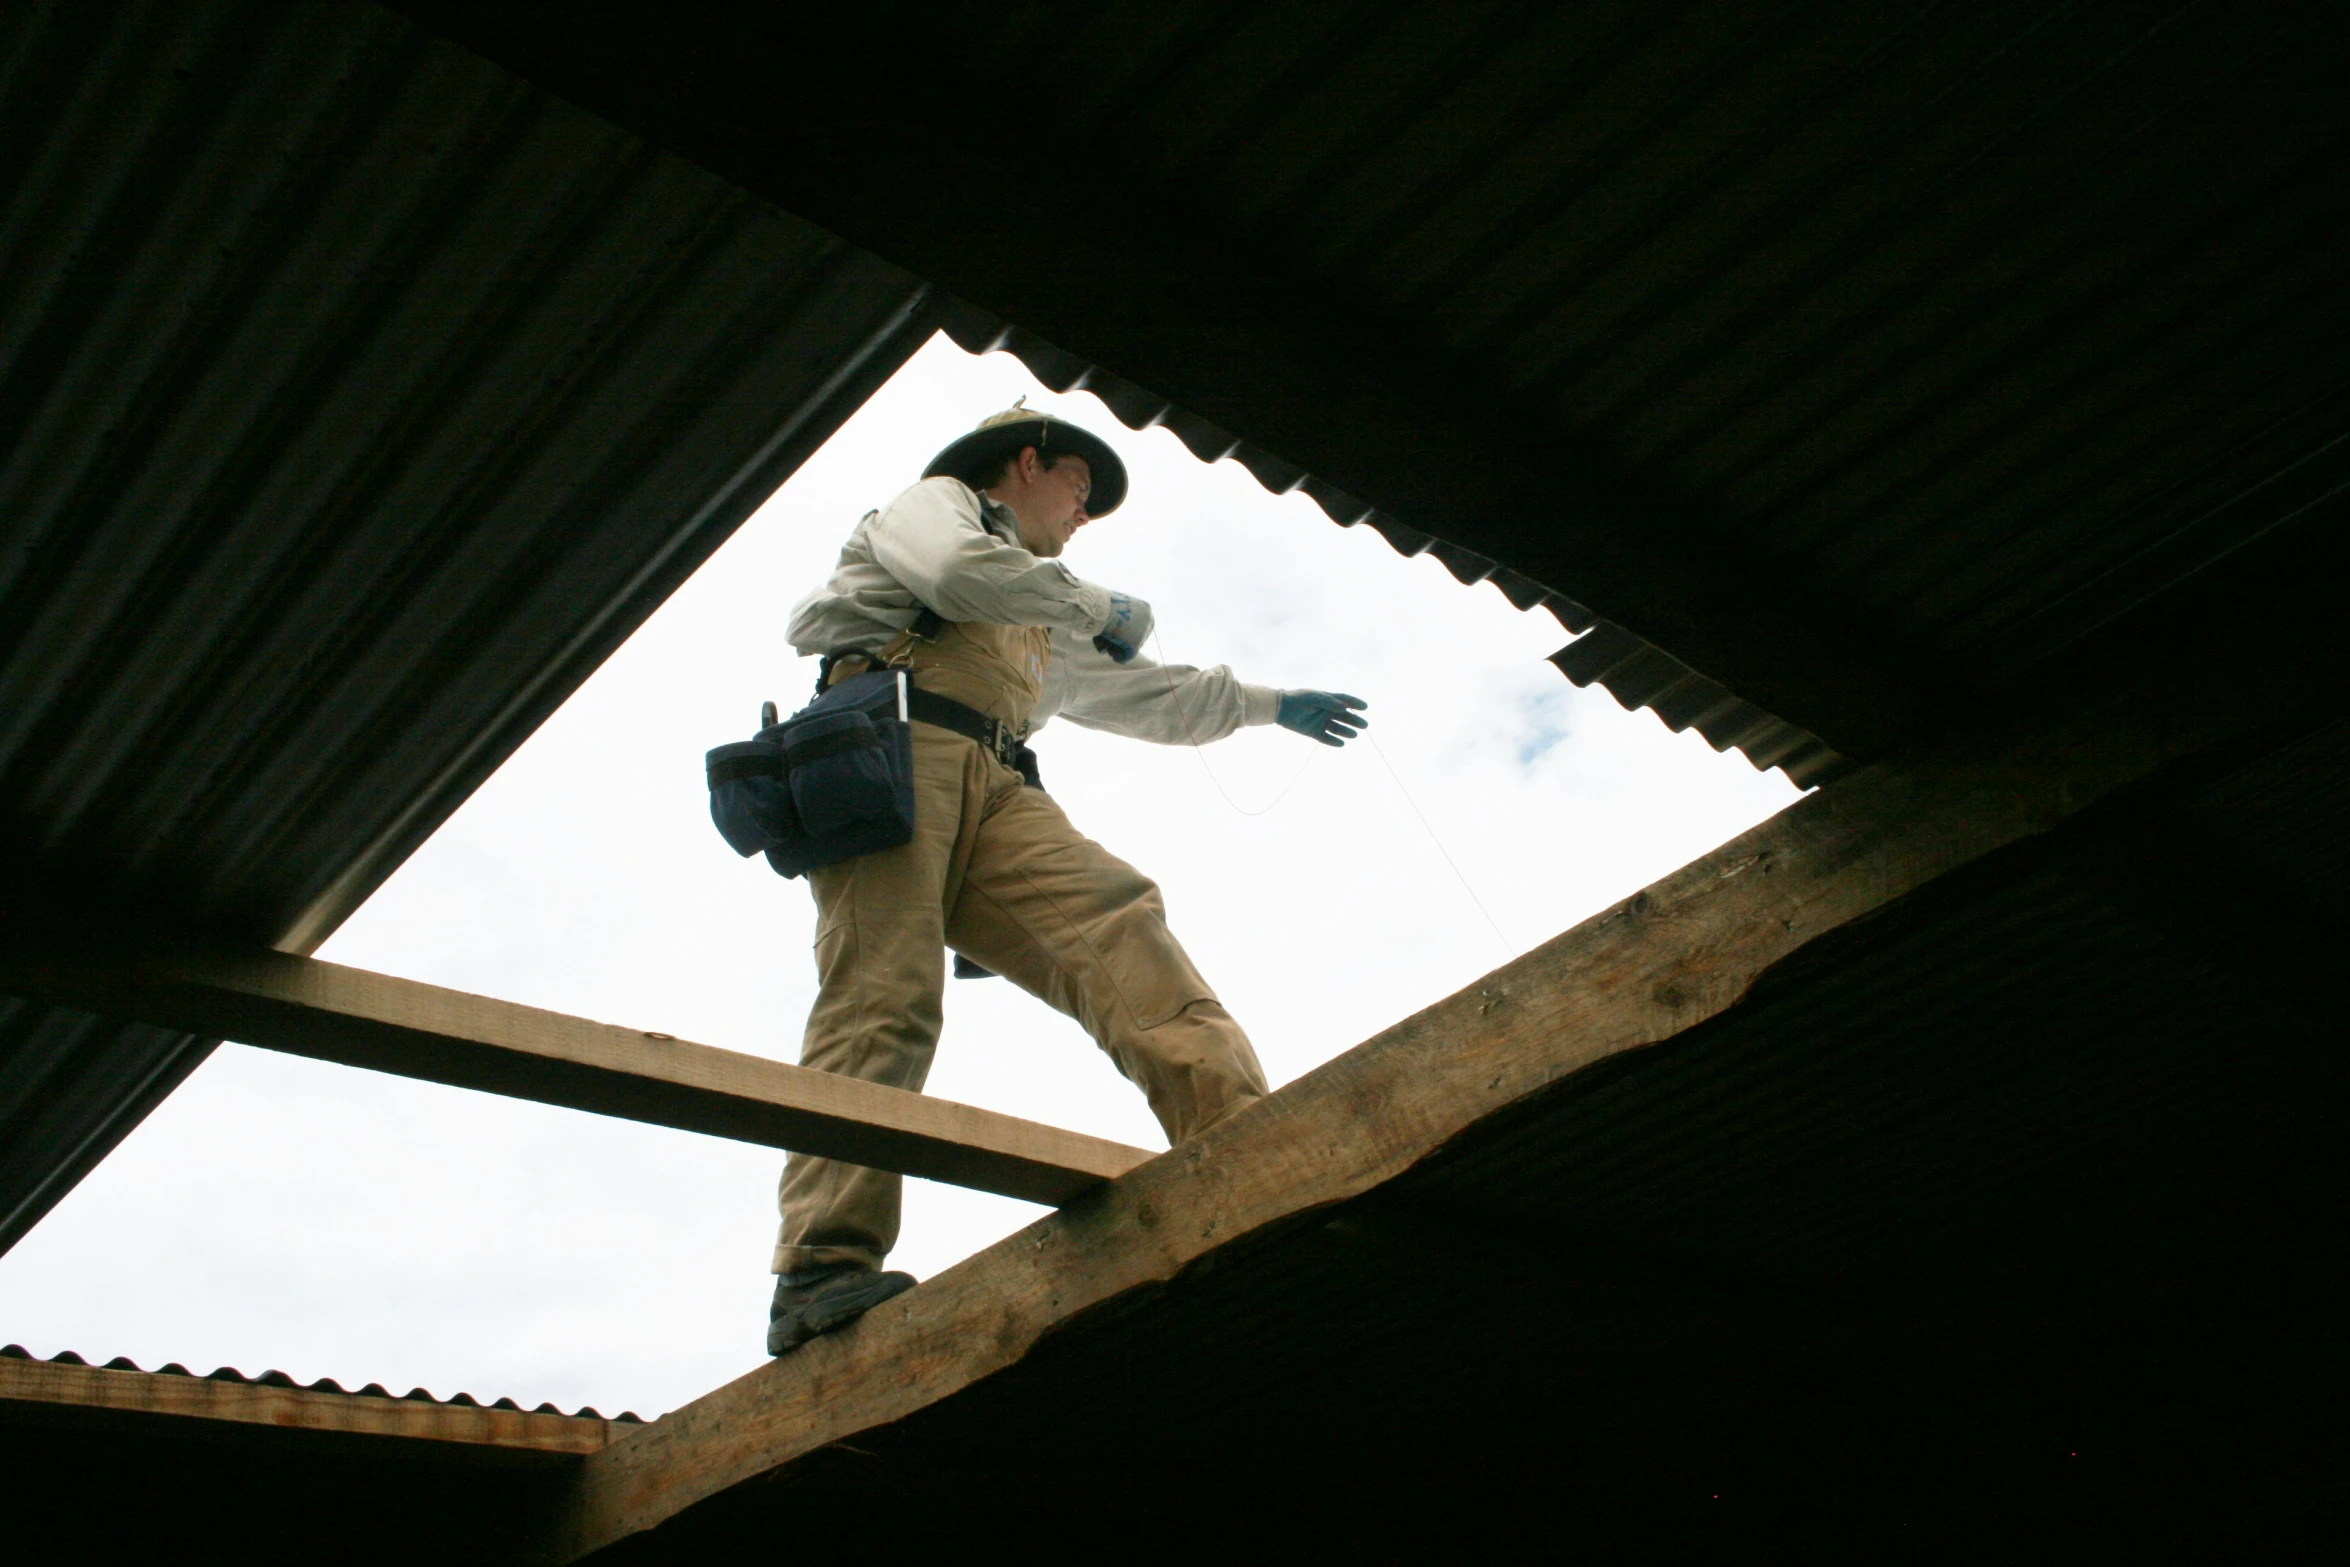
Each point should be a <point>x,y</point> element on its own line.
<point>957,583</point>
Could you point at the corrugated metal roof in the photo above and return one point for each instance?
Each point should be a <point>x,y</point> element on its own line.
<point>1851,359</point>
<point>1994,320</point>
<point>71,1087</point>
<point>416,1395</point>
<point>359,397</point>
<point>1634,671</point>
<point>356,399</point>
<point>116,1464</point>
<point>2288,818</point>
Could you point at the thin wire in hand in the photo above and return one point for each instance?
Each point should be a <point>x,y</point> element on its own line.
<point>1175,698</point>
<point>1506,945</point>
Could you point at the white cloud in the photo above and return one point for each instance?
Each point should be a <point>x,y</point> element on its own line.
<point>277,1212</point>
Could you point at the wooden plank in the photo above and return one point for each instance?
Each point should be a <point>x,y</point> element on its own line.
<point>44,1384</point>
<point>331,1013</point>
<point>1676,954</point>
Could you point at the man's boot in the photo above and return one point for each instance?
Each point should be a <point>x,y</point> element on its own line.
<point>818,1300</point>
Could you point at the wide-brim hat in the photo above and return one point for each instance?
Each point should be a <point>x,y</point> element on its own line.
<point>1002,435</point>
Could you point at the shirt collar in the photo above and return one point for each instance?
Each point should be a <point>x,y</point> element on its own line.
<point>997,516</point>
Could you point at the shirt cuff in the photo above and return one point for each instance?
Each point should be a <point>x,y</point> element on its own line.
<point>1259,705</point>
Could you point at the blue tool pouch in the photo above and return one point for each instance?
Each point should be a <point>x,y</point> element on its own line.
<point>833,781</point>
<point>842,779</point>
<point>750,799</point>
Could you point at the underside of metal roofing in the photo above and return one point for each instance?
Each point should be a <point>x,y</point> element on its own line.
<point>1635,672</point>
<point>1994,318</point>
<point>359,399</point>
<point>1857,360</point>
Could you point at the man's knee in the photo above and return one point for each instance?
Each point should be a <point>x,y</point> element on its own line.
<point>1196,1068</point>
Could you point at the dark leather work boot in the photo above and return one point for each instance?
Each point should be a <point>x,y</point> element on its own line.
<point>818,1300</point>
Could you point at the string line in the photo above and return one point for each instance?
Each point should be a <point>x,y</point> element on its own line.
<point>1506,946</point>
<point>1175,699</point>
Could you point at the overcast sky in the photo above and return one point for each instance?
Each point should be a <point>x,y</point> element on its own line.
<point>329,1222</point>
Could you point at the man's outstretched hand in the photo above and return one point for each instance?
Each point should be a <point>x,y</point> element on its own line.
<point>1331,717</point>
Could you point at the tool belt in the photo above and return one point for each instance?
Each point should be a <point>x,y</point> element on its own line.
<point>833,781</point>
<point>997,738</point>
<point>836,779</point>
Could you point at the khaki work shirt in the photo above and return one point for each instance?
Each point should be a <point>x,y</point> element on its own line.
<point>943,545</point>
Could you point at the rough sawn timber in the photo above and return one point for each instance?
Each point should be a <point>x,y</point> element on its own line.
<point>1659,963</point>
<point>47,1385</point>
<point>306,1007</point>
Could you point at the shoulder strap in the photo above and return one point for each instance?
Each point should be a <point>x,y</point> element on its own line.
<point>927,627</point>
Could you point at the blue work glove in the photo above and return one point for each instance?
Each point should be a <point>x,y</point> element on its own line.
<point>1331,717</point>
<point>1129,627</point>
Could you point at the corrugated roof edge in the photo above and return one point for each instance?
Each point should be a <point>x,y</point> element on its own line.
<point>322,1385</point>
<point>1635,672</point>
<point>1640,674</point>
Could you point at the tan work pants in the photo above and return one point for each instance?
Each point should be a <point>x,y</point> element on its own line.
<point>996,872</point>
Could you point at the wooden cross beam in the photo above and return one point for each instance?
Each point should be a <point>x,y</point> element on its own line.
<point>328,1012</point>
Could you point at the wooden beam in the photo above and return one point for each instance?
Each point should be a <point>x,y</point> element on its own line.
<point>1681,952</point>
<point>328,1012</point>
<point>37,1386</point>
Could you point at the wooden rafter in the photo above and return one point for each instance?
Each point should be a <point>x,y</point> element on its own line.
<point>331,1013</point>
<point>1677,954</point>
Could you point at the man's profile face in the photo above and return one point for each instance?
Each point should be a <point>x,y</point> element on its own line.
<point>1049,503</point>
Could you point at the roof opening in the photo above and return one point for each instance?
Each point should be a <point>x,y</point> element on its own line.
<point>1325,894</point>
